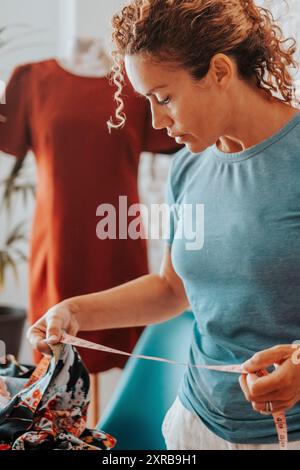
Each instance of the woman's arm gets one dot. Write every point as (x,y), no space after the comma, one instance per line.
(149,299)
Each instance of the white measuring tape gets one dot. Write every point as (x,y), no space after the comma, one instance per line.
(279,418)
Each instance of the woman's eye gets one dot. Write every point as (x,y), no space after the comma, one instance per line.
(164,102)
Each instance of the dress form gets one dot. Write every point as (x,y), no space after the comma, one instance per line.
(86,57)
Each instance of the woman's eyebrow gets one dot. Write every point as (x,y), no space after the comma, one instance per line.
(140,95)
(155,89)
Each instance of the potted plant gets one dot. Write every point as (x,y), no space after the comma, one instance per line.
(12,252)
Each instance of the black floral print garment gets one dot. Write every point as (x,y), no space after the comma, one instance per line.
(46,407)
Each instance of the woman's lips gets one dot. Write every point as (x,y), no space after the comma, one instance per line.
(180,139)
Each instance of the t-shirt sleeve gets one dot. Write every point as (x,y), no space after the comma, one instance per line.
(15,131)
(157,141)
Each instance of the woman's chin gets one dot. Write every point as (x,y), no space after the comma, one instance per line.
(195,147)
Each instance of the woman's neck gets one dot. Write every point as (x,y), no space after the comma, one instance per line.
(256,117)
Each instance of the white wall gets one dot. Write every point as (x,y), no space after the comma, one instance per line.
(33,25)
(85,18)
(93,16)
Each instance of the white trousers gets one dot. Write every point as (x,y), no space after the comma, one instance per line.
(184,430)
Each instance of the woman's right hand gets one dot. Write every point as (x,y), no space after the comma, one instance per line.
(50,327)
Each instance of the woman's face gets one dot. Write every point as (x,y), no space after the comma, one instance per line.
(196,113)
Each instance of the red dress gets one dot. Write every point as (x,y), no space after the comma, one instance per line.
(62,118)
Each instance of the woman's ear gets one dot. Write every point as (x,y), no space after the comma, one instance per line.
(222,69)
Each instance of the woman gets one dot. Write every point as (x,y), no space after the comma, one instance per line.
(216,76)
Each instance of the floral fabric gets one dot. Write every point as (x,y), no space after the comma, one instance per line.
(46,407)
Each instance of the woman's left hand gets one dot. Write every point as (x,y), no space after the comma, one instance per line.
(281,387)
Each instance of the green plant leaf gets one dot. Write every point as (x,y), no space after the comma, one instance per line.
(17,234)
(11,262)
(12,186)
(6,260)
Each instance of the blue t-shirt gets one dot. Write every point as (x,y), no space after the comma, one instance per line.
(243,283)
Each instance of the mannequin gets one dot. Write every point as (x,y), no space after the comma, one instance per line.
(86,57)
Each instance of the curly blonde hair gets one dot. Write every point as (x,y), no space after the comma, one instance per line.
(189,33)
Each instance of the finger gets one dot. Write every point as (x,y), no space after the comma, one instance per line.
(73,330)
(276,381)
(43,347)
(268,357)
(296,355)
(278,395)
(255,390)
(259,386)
(36,337)
(262,407)
(282,407)
(35,334)
(277,406)
(244,386)
(54,329)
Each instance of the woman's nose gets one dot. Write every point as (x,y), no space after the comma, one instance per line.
(160,120)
